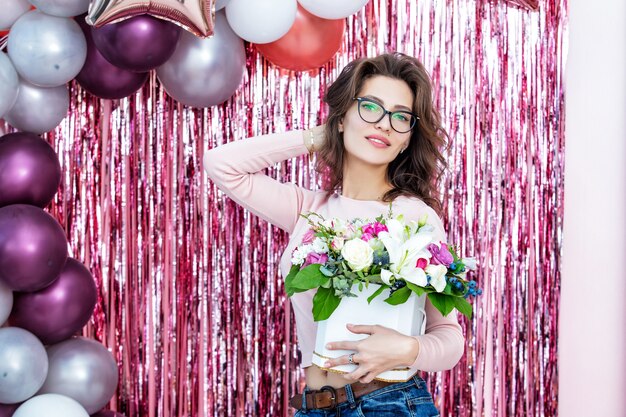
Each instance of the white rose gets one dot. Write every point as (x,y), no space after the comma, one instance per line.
(319,246)
(299,255)
(358,254)
(337,243)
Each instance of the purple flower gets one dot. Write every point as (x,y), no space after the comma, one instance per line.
(315,258)
(441,256)
(308,237)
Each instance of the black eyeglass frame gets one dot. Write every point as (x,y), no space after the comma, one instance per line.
(386,112)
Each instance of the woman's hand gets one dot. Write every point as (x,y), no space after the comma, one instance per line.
(383,350)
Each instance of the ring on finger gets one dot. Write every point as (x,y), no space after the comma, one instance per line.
(351,359)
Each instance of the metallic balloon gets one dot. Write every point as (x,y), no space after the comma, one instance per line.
(84,370)
(23,365)
(6,303)
(61,8)
(139,44)
(103,79)
(220,4)
(333,9)
(38,109)
(8,84)
(195,16)
(51,405)
(310,43)
(261,21)
(33,248)
(47,50)
(11,11)
(205,72)
(59,310)
(30,172)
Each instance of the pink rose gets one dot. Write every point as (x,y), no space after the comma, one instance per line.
(315,258)
(441,256)
(374,228)
(421,263)
(379,227)
(309,237)
(366,236)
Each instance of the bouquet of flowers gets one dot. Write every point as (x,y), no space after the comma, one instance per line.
(398,255)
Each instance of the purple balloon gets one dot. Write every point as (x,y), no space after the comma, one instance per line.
(139,44)
(103,79)
(30,172)
(33,247)
(59,310)
(7,410)
(106,413)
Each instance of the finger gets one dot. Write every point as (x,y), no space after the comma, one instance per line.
(367,378)
(362,328)
(341,360)
(345,345)
(356,375)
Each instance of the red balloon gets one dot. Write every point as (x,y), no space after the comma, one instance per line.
(310,43)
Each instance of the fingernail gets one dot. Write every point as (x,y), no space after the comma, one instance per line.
(329,346)
(326,364)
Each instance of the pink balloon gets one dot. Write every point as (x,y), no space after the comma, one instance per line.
(59,310)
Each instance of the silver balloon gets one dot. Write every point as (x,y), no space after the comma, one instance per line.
(8,84)
(205,72)
(47,50)
(84,370)
(11,11)
(38,109)
(220,4)
(50,405)
(62,8)
(6,302)
(23,365)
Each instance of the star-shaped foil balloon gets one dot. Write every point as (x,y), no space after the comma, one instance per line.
(196,16)
(528,4)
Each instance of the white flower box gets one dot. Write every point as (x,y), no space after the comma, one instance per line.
(408,318)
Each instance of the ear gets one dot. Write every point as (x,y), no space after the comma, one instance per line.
(341,126)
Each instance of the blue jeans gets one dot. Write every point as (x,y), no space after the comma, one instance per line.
(410,399)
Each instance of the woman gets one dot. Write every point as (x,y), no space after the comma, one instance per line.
(380,145)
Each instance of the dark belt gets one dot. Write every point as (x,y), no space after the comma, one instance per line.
(327,398)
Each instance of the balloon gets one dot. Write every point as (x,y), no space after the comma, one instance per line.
(30,172)
(220,4)
(23,365)
(33,248)
(8,84)
(59,310)
(310,43)
(7,410)
(195,16)
(205,72)
(139,44)
(104,413)
(261,21)
(51,405)
(84,370)
(38,109)
(11,11)
(333,9)
(6,304)
(61,8)
(528,4)
(47,50)
(103,79)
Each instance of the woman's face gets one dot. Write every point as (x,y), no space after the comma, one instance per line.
(376,143)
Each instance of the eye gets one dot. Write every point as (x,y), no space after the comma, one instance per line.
(369,106)
(403,117)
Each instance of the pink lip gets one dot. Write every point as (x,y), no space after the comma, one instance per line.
(381,138)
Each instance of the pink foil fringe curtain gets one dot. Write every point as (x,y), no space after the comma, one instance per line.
(190,301)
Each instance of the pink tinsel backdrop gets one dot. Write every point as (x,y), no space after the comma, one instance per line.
(190,301)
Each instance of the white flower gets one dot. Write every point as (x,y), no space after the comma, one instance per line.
(470,263)
(337,243)
(299,255)
(319,246)
(358,254)
(404,250)
(437,276)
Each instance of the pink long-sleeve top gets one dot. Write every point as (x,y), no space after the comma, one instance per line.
(236,168)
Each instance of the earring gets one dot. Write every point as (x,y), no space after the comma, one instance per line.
(402,150)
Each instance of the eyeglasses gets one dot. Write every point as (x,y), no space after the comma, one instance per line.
(402,121)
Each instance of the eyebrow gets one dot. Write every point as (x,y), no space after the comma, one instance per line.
(381,102)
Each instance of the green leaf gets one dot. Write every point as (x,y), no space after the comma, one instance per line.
(398,297)
(376,294)
(289,288)
(309,278)
(443,303)
(463,306)
(325,302)
(416,289)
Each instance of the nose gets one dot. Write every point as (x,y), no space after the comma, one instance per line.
(384,123)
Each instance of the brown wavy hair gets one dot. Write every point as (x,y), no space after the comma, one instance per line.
(417,170)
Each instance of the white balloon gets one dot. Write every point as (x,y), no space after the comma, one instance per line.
(62,8)
(47,50)
(333,9)
(220,4)
(6,302)
(38,109)
(11,11)
(51,405)
(261,21)
(8,87)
